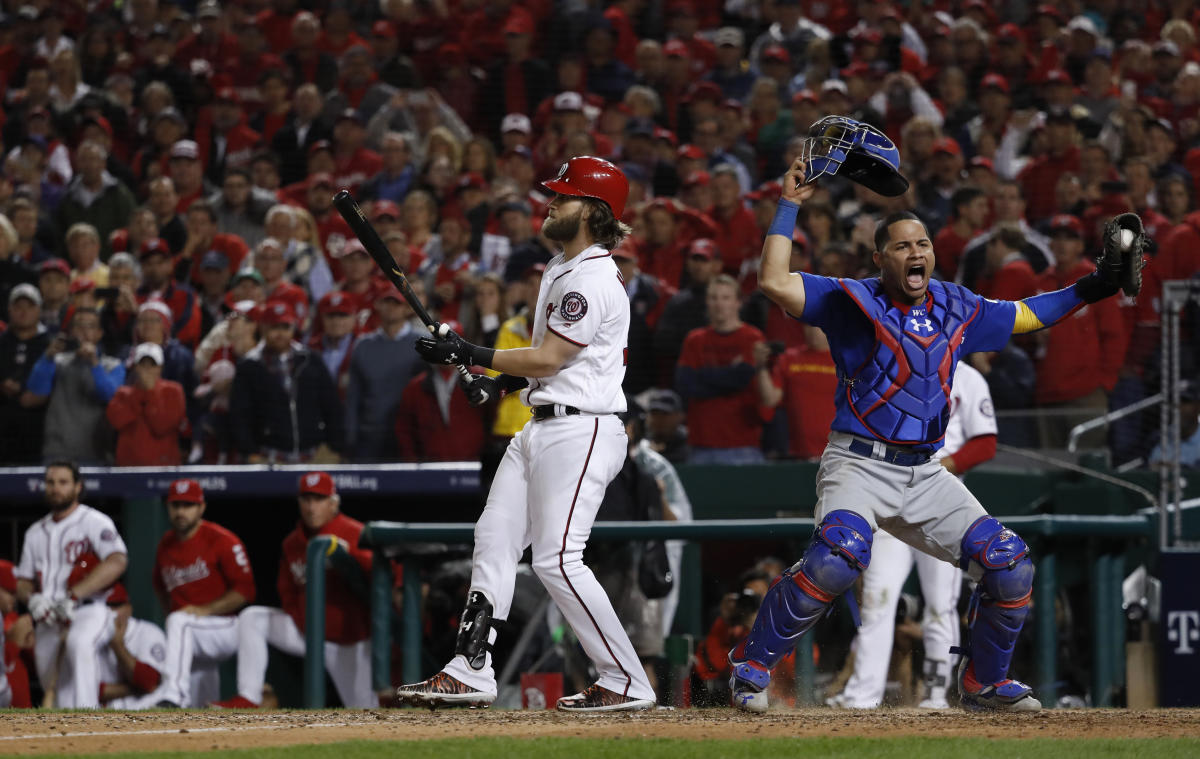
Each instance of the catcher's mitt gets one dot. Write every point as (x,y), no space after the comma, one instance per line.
(1121,264)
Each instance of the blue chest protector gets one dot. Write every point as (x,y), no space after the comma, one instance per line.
(901,392)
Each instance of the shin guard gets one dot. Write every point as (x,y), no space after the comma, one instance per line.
(839,552)
(1000,602)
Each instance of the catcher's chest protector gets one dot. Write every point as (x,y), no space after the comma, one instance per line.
(901,393)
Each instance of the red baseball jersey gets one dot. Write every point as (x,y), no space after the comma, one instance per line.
(732,419)
(203,568)
(347,617)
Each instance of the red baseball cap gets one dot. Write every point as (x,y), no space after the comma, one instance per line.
(1010,32)
(698,178)
(153,246)
(317,483)
(979,162)
(703,248)
(1066,222)
(472,180)
(81,285)
(519,22)
(776,53)
(690,151)
(1058,76)
(277,314)
(318,146)
(320,179)
(385,208)
(803,96)
(383,28)
(765,191)
(662,133)
(55,264)
(995,81)
(353,245)
(705,91)
(676,49)
(185,491)
(947,145)
(335,302)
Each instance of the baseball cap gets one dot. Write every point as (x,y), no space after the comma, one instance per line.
(385,209)
(520,206)
(1057,76)
(676,49)
(1166,47)
(516,122)
(568,101)
(947,145)
(27,291)
(317,483)
(335,302)
(995,81)
(690,151)
(104,124)
(246,272)
(705,90)
(185,149)
(662,133)
(804,95)
(765,191)
(226,95)
(665,401)
(729,35)
(1046,9)
(352,246)
(170,112)
(208,9)
(320,179)
(703,248)
(776,54)
(318,146)
(835,85)
(277,314)
(153,246)
(519,22)
(151,351)
(1065,222)
(350,114)
(185,491)
(979,162)
(699,178)
(1083,24)
(55,264)
(383,28)
(518,151)
(160,308)
(472,180)
(1009,33)
(214,259)
(82,285)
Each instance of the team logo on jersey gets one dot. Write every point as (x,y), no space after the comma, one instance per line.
(108,535)
(985,407)
(158,652)
(174,576)
(573,307)
(76,548)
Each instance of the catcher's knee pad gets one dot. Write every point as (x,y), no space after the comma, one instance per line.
(474,629)
(1000,560)
(839,552)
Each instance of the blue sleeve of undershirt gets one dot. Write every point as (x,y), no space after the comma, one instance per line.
(821,300)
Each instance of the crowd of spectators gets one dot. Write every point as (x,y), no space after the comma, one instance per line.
(176,286)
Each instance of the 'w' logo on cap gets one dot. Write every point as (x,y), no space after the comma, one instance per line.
(313,479)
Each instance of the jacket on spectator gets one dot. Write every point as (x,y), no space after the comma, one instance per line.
(291,414)
(108,211)
(723,407)
(17,358)
(684,312)
(433,425)
(147,423)
(75,425)
(647,300)
(293,153)
(380,369)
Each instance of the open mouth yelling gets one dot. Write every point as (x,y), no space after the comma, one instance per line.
(915,276)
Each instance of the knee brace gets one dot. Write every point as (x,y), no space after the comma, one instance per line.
(472,641)
(1001,599)
(839,552)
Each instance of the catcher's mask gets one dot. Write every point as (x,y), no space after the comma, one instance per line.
(859,151)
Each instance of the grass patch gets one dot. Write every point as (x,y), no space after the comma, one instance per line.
(668,748)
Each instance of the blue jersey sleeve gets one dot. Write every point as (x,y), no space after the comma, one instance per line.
(992,326)
(822,298)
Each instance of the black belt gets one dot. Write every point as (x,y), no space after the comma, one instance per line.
(542,413)
(897,456)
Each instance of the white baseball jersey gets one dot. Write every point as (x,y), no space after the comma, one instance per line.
(146,641)
(51,549)
(583,301)
(971,412)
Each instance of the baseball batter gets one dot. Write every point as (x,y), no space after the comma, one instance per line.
(552,479)
(73,625)
(970,440)
(895,341)
(202,577)
(347,625)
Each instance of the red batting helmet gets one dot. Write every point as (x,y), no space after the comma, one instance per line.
(591,177)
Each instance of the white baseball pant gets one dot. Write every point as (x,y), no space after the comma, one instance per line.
(196,646)
(348,665)
(546,493)
(891,562)
(74,661)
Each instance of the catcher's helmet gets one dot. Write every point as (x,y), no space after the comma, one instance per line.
(858,151)
(590,177)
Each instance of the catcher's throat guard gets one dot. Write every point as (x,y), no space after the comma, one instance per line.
(855,150)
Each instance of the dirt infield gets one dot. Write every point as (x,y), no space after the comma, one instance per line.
(57,733)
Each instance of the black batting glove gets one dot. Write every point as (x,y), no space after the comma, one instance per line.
(449,348)
(480,389)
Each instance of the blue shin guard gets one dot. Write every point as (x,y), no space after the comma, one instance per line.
(1000,602)
(839,552)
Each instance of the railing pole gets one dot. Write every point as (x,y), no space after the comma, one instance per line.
(1046,635)
(381,622)
(1101,630)
(412,620)
(314,622)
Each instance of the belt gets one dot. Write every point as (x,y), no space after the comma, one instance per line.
(551,410)
(897,456)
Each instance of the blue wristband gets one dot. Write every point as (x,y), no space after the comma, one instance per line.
(784,222)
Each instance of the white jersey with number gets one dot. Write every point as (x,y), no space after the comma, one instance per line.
(583,301)
(971,412)
(51,549)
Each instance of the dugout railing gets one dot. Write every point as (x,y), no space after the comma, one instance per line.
(1111,536)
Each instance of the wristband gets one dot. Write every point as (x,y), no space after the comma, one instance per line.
(481,356)
(784,222)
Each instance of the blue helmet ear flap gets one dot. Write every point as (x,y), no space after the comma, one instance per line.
(859,151)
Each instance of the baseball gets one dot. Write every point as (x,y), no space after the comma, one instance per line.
(1126,238)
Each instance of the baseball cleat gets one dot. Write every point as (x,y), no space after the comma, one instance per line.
(749,685)
(597,699)
(1005,696)
(237,702)
(934,703)
(443,690)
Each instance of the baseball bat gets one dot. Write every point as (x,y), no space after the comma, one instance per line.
(348,207)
